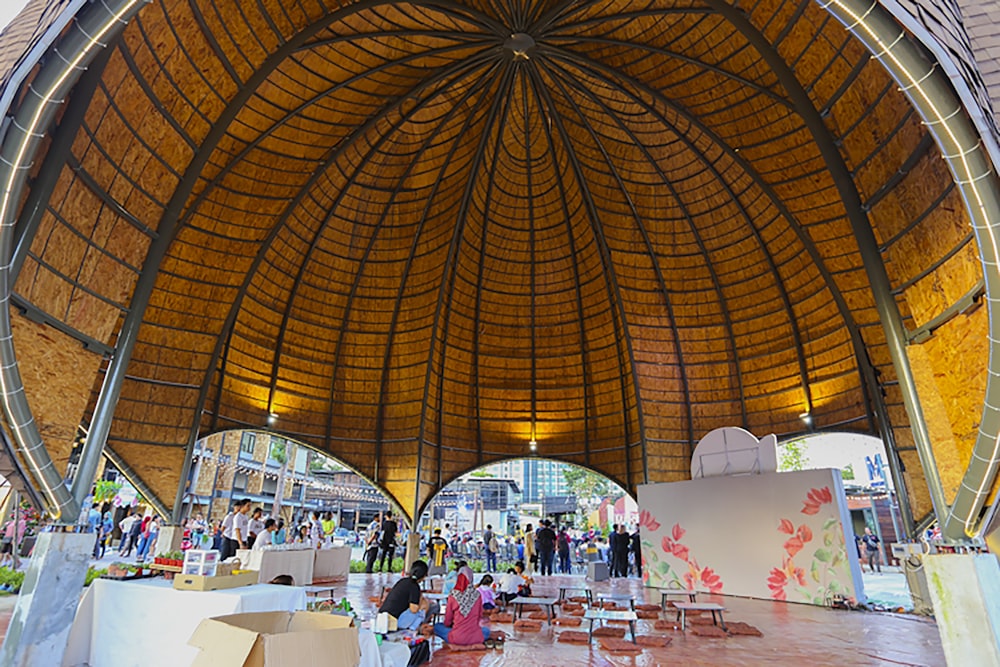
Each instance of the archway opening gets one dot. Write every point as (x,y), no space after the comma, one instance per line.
(283,476)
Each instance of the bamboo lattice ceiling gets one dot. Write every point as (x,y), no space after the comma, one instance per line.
(425,233)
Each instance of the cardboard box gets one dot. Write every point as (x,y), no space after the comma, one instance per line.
(277,639)
(196,582)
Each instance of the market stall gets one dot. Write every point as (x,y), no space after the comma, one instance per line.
(148,623)
(271,562)
(332,563)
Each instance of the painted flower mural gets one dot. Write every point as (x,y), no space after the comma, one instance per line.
(825,559)
(696,578)
(648,521)
(775,535)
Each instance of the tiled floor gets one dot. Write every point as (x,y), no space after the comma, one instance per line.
(794,634)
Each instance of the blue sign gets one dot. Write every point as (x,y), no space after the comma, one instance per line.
(876,476)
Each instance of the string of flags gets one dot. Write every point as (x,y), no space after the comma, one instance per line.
(360,493)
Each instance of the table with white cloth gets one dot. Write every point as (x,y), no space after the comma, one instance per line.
(388,654)
(272,562)
(147,623)
(332,563)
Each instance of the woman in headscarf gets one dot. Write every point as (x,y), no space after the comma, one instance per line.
(463,616)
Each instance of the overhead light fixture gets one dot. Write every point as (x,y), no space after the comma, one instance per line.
(806,418)
(272,418)
(533,445)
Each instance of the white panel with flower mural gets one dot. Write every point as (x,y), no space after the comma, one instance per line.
(777,535)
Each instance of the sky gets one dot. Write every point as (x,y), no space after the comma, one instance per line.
(9,9)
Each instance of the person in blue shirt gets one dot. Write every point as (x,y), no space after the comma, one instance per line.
(94,521)
(279,535)
(107,531)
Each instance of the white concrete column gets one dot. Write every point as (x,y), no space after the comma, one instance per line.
(39,628)
(170,539)
(965,589)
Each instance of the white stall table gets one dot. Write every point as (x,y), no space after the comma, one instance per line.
(272,562)
(147,623)
(332,563)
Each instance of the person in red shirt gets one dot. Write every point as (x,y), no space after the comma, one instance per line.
(464,614)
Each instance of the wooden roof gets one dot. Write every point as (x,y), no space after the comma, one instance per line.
(425,233)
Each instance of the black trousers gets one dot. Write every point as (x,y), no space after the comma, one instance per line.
(371,555)
(386,551)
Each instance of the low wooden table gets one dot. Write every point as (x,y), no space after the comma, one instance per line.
(440,598)
(602,615)
(519,603)
(684,607)
(611,597)
(318,590)
(665,593)
(586,591)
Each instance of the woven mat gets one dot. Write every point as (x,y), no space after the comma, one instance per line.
(653,640)
(620,646)
(573,637)
(713,631)
(568,621)
(605,631)
(743,629)
(466,649)
(526,625)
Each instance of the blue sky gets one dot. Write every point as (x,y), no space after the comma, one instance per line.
(9,9)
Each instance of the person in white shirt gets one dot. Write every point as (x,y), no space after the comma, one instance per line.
(264,536)
(255,525)
(237,532)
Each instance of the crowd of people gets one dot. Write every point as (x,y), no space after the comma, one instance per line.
(547,549)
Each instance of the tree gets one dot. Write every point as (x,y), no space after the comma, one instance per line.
(105,491)
(792,457)
(587,486)
(280,452)
(847,472)
(481,473)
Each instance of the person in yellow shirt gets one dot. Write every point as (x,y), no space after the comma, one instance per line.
(329,525)
(530,558)
(437,549)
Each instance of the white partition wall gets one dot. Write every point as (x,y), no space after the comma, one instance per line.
(778,535)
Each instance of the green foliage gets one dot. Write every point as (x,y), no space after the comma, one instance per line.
(94,574)
(11,578)
(359,565)
(279,450)
(105,491)
(792,457)
(847,472)
(586,485)
(481,473)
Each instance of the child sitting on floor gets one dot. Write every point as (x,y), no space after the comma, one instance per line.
(486,591)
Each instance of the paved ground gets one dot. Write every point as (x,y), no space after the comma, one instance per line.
(794,634)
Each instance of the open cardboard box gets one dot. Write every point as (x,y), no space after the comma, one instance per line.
(199,582)
(275,639)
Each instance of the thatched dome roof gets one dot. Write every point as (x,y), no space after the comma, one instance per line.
(425,233)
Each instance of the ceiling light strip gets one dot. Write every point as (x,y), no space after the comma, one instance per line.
(97,25)
(933,96)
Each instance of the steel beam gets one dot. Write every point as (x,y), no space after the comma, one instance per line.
(932,94)
(95,27)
